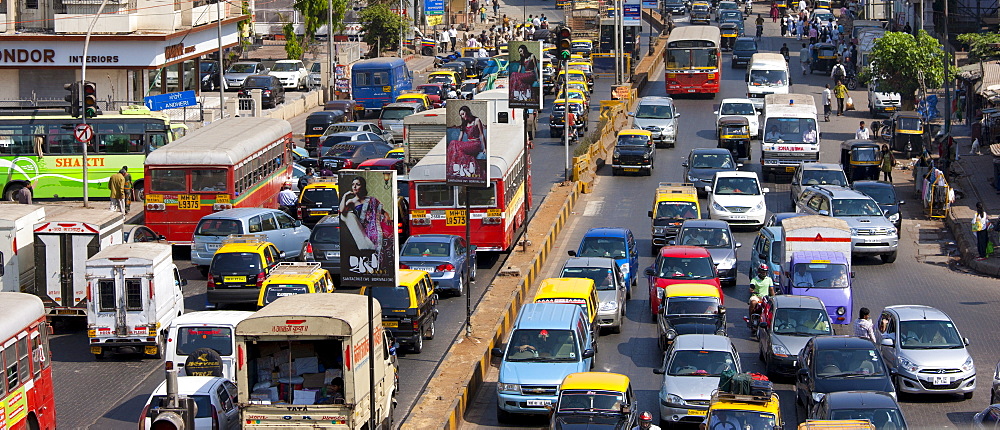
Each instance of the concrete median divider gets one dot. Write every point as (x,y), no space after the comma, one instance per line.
(464,367)
(291,109)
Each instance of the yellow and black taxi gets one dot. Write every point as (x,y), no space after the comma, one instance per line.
(290,278)
(409,310)
(572,75)
(557,119)
(415,97)
(595,400)
(584,66)
(319,198)
(634,152)
(575,94)
(673,203)
(758,409)
(443,77)
(239,268)
(396,153)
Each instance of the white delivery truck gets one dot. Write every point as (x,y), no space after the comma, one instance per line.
(135,293)
(285,345)
(17,252)
(63,243)
(215,330)
(791,132)
(767,73)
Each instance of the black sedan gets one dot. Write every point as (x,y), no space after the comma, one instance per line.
(349,155)
(828,364)
(885,195)
(878,408)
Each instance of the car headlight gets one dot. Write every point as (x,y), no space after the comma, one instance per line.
(908,365)
(892,231)
(760,206)
(617,154)
(669,128)
(692,179)
(608,306)
(659,230)
(969,365)
(670,334)
(818,397)
(841,310)
(854,231)
(718,207)
(674,399)
(646,155)
(508,388)
(624,268)
(779,350)
(894,217)
(727,263)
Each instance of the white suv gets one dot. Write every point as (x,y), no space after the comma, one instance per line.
(740,107)
(291,73)
(737,198)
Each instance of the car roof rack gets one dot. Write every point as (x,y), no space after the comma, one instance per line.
(245,238)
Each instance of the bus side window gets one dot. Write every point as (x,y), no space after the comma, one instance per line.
(10,358)
(22,355)
(156,140)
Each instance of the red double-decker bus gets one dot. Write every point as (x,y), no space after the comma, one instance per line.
(496,212)
(26,394)
(231,163)
(693,60)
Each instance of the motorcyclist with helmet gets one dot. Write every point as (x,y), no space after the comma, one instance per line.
(646,422)
(761,286)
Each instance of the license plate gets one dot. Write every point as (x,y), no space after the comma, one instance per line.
(697,412)
(212,246)
(424,268)
(390,324)
(95,350)
(690,91)
(890,108)
(332,254)
(317,213)
(872,240)
(541,403)
(737,217)
(228,279)
(188,202)
(151,350)
(942,380)
(789,169)
(631,170)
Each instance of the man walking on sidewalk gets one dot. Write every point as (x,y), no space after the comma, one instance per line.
(980,222)
(453,35)
(804,58)
(888,162)
(827,95)
(862,132)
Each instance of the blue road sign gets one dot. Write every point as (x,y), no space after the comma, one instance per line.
(434,7)
(170,100)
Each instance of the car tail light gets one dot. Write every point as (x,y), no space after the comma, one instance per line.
(169,365)
(420,221)
(348,164)
(399,229)
(416,326)
(266,92)
(142,417)
(404,266)
(211,281)
(298,212)
(380,123)
(309,248)
(156,206)
(446,267)
(215,418)
(491,220)
(260,279)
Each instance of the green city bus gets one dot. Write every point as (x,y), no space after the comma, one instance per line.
(40,147)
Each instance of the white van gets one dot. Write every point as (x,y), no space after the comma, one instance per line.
(766,74)
(17,246)
(205,329)
(135,292)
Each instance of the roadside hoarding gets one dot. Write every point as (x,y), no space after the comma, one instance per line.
(368,239)
(467,150)
(525,74)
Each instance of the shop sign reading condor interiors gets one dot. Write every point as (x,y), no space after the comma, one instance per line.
(135,51)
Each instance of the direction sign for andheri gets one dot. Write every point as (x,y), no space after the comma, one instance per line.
(170,100)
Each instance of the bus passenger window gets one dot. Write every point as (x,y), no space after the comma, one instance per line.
(16,144)
(362,79)
(381,78)
(10,356)
(167,180)
(22,351)
(430,195)
(156,140)
(208,180)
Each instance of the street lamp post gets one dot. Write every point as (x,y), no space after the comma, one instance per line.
(83,106)
(218,28)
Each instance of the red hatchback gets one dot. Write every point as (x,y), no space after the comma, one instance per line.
(680,265)
(434,92)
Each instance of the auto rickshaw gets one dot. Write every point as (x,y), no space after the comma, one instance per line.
(729,34)
(824,57)
(352,111)
(861,158)
(317,122)
(734,135)
(907,129)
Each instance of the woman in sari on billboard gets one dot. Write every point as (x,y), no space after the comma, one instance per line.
(370,224)
(466,158)
(524,76)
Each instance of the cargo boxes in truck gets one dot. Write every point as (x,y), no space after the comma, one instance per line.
(134,293)
(63,243)
(303,361)
(17,252)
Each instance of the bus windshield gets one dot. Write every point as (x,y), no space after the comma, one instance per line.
(684,58)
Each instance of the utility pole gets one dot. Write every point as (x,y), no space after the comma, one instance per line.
(218,28)
(947,65)
(83,106)
(566,126)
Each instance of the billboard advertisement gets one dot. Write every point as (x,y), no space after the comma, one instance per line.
(525,74)
(368,240)
(467,150)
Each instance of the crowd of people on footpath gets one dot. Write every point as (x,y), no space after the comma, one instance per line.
(503,30)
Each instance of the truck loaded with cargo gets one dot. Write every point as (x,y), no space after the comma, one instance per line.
(304,361)
(816,261)
(135,294)
(421,131)
(63,243)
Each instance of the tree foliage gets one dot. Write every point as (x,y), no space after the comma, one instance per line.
(382,27)
(897,57)
(315,14)
(979,45)
(292,47)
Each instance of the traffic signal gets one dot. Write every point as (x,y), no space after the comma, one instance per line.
(564,42)
(73,98)
(90,99)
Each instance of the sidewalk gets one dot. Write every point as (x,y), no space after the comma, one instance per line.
(973,181)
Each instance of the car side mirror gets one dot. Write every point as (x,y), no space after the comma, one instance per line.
(298,223)
(965,340)
(902,202)
(677,114)
(886,342)
(658,370)
(496,352)
(684,164)
(158,237)
(715,112)
(650,272)
(708,188)
(281,254)
(649,214)
(824,212)
(184,282)
(672,242)
(802,374)
(739,165)
(853,274)
(766,190)
(795,182)
(588,353)
(571,253)
(762,324)
(722,310)
(739,245)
